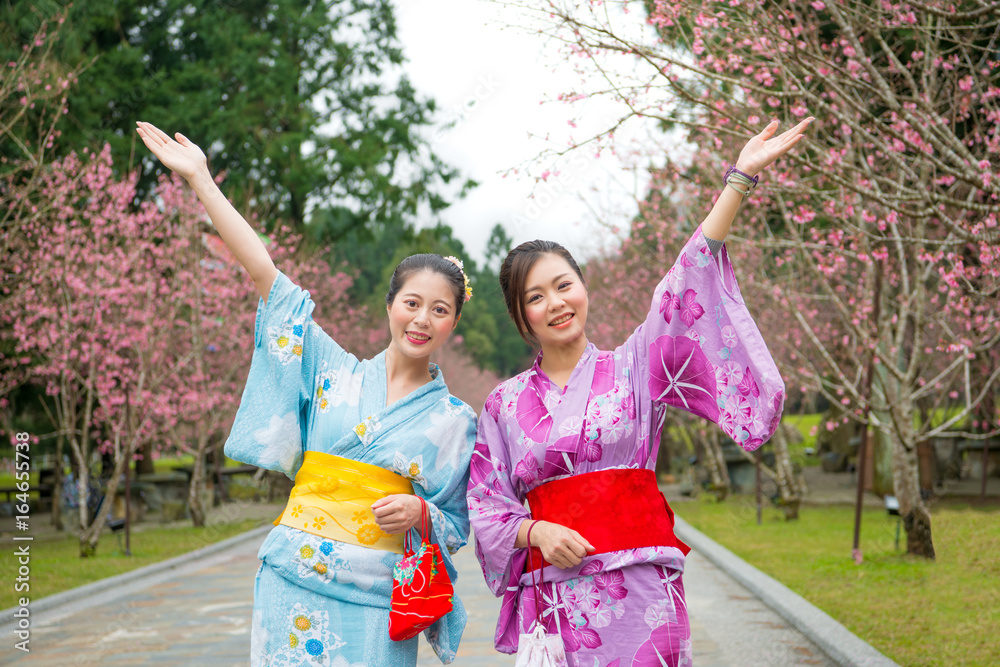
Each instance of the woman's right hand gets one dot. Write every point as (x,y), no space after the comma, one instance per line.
(180,156)
(561,546)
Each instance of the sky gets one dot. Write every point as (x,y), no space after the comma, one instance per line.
(488,80)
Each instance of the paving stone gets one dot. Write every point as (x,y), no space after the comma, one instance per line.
(200,615)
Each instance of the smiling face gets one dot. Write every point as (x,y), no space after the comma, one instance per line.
(422,314)
(555,301)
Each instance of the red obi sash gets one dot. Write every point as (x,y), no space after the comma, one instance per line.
(614,509)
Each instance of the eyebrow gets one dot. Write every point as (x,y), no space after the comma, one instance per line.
(444,301)
(554,280)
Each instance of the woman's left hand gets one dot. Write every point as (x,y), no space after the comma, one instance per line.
(397,513)
(765,148)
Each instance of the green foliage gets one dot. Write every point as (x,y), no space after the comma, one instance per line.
(917,612)
(806,425)
(296,101)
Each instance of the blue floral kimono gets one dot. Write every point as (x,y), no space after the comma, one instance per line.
(321,602)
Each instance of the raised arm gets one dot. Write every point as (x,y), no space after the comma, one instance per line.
(759,152)
(188,161)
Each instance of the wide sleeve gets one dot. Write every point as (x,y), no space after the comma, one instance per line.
(449,517)
(699,349)
(448,509)
(271,424)
(495,509)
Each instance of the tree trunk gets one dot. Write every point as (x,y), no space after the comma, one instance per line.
(716,464)
(785,478)
(57,482)
(82,485)
(144,465)
(194,491)
(916,518)
(663,455)
(90,535)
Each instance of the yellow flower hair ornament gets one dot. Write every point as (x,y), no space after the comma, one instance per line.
(461,267)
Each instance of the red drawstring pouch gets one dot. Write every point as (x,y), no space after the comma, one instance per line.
(421,590)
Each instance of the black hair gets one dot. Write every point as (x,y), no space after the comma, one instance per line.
(428,262)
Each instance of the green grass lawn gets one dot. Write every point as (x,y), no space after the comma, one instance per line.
(56,565)
(806,424)
(917,612)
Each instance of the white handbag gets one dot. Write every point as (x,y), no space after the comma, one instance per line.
(538,648)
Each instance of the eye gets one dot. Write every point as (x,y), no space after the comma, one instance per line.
(565,284)
(441,310)
(534,297)
(411,303)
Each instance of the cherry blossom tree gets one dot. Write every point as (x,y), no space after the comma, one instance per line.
(33,95)
(90,316)
(214,327)
(877,242)
(139,334)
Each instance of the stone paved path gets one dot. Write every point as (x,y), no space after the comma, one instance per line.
(200,615)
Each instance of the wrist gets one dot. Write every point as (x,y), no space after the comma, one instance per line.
(747,169)
(739,180)
(533,528)
(201,180)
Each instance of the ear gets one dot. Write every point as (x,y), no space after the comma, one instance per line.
(457,320)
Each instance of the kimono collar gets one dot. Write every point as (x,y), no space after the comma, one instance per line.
(584,363)
(376,388)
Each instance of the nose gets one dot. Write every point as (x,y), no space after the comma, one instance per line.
(421,318)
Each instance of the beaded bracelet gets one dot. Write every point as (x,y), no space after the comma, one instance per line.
(734,176)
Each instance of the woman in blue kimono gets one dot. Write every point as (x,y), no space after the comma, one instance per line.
(362,439)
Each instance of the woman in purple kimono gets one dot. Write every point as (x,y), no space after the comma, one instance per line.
(571,435)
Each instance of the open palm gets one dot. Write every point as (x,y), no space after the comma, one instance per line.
(765,148)
(181,156)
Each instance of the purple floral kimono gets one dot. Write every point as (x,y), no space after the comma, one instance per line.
(698,350)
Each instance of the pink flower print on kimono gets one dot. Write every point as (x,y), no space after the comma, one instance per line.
(532,415)
(729,374)
(664,647)
(561,455)
(747,385)
(690,309)
(577,598)
(680,375)
(527,468)
(492,405)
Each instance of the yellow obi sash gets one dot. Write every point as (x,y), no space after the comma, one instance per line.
(332,498)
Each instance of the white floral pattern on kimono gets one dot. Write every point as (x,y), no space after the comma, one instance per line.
(699,350)
(304,392)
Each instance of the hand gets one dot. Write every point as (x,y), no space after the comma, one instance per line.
(181,156)
(561,546)
(765,148)
(397,513)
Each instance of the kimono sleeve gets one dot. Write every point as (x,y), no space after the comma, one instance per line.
(495,509)
(699,349)
(448,508)
(450,519)
(272,421)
